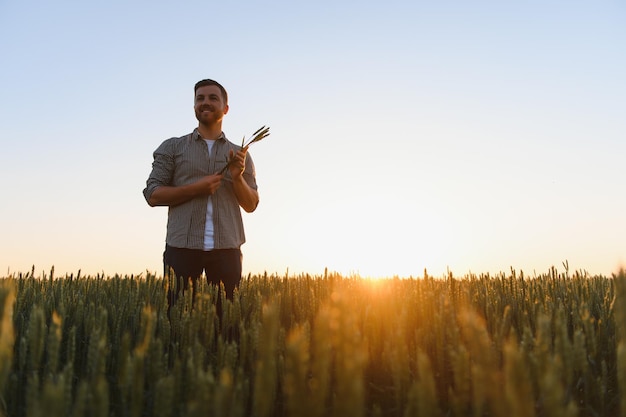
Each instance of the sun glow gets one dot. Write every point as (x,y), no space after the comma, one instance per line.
(401,245)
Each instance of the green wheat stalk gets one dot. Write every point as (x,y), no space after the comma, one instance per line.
(260,134)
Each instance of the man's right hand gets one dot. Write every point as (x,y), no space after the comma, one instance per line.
(166,195)
(210,183)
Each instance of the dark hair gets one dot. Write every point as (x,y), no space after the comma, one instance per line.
(203,83)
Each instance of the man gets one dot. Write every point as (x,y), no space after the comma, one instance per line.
(204,226)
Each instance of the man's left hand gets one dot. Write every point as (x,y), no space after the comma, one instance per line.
(238,165)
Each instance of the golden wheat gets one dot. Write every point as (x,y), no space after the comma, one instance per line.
(505,345)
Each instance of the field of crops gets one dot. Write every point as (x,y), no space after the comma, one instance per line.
(479,345)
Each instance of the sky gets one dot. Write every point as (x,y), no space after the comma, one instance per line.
(451,136)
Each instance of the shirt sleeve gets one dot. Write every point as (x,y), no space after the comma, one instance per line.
(249,174)
(162,169)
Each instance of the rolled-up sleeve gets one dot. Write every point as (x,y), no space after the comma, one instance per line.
(162,169)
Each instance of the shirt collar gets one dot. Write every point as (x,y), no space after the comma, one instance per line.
(196,135)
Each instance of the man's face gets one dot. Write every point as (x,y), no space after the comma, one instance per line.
(209,105)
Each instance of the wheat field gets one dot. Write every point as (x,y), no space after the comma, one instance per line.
(478,345)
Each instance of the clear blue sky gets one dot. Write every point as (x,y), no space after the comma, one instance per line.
(469,136)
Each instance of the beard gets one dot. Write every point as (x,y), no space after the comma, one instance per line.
(209,117)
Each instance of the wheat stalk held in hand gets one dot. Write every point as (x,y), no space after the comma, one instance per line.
(257,136)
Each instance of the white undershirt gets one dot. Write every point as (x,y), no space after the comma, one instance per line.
(209,242)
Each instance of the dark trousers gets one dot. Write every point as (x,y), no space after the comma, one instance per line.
(219,265)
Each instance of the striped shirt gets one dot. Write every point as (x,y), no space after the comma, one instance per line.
(184,160)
